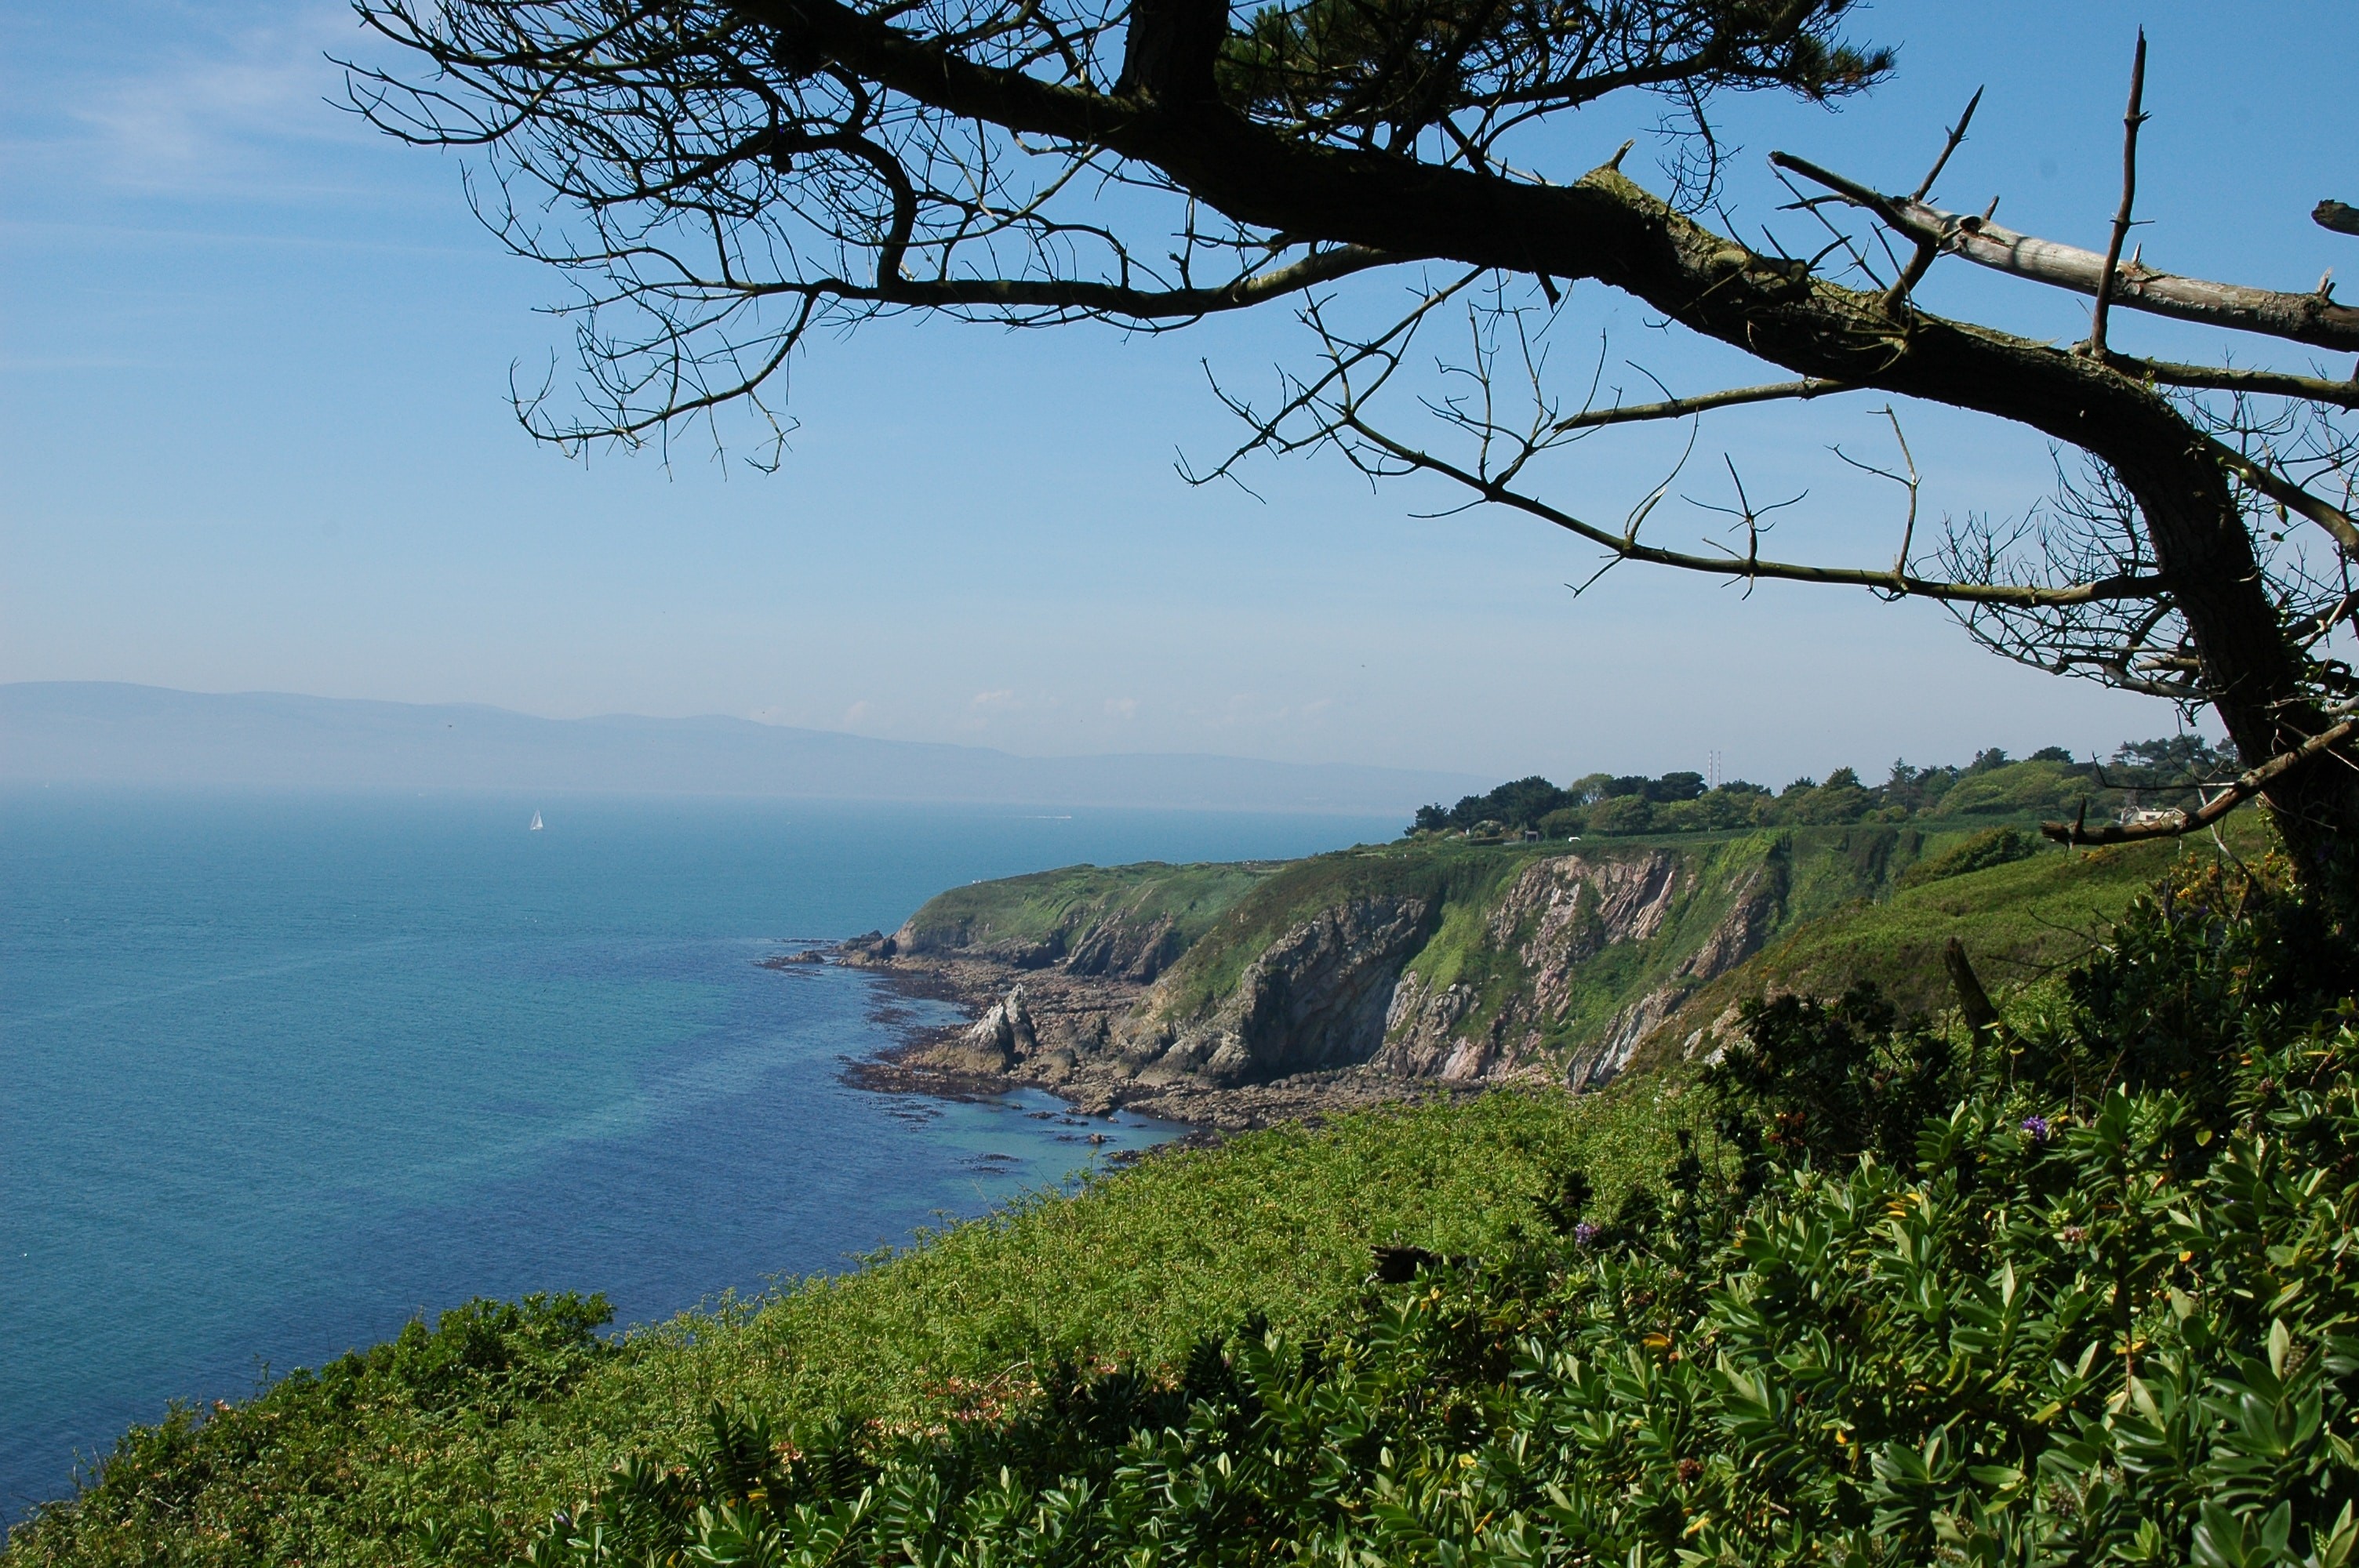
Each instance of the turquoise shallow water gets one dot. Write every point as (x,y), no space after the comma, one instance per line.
(277,1072)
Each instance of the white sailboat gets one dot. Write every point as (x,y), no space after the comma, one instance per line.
(535,822)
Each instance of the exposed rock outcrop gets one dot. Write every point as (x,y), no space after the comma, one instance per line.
(1553,920)
(995,1043)
(1315,998)
(1757,899)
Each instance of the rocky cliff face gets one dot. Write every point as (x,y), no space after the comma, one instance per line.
(1391,969)
(1316,998)
(1552,923)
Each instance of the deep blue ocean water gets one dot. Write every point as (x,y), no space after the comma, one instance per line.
(278,1072)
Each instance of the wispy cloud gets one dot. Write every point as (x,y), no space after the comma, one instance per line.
(986,706)
(220,109)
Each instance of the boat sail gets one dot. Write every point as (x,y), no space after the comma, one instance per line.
(535,822)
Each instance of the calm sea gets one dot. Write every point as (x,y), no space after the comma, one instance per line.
(279,1071)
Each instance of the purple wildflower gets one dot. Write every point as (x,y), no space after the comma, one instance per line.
(2036,1128)
(1584,1234)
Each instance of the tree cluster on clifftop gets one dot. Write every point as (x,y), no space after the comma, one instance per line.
(2166,773)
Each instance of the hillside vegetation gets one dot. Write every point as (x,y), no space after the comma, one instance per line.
(2071,1288)
(1093,918)
(2022,919)
(1494,947)
(456,1443)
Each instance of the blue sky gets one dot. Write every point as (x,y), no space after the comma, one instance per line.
(254,366)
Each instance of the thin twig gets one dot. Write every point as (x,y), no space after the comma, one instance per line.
(1680,408)
(2131,119)
(1928,247)
(1957,134)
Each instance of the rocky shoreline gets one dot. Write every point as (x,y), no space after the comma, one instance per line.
(1027,1022)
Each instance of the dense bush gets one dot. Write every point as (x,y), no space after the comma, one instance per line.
(2074,1289)
(1995,846)
(221,1488)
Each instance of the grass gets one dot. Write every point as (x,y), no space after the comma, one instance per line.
(1437,874)
(2020,922)
(1135,1267)
(1060,908)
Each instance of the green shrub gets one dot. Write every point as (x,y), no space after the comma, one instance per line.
(1822,1084)
(1997,847)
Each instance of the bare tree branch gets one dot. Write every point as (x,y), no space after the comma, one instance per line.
(1625,545)
(1681,407)
(2176,823)
(2132,118)
(724,181)
(2313,319)
(2218,378)
(1923,261)
(2290,495)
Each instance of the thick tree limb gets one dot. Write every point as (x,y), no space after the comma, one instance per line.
(1973,1002)
(2313,319)
(1168,56)
(2341,217)
(2179,824)
(1106,298)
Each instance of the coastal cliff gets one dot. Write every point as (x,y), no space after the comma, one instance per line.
(1234,995)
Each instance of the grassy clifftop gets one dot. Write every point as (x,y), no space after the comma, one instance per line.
(1140,914)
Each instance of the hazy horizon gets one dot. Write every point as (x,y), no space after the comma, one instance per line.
(223,724)
(104,733)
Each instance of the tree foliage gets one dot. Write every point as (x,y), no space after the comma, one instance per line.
(2165,773)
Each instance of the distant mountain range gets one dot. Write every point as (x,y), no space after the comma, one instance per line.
(105,732)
